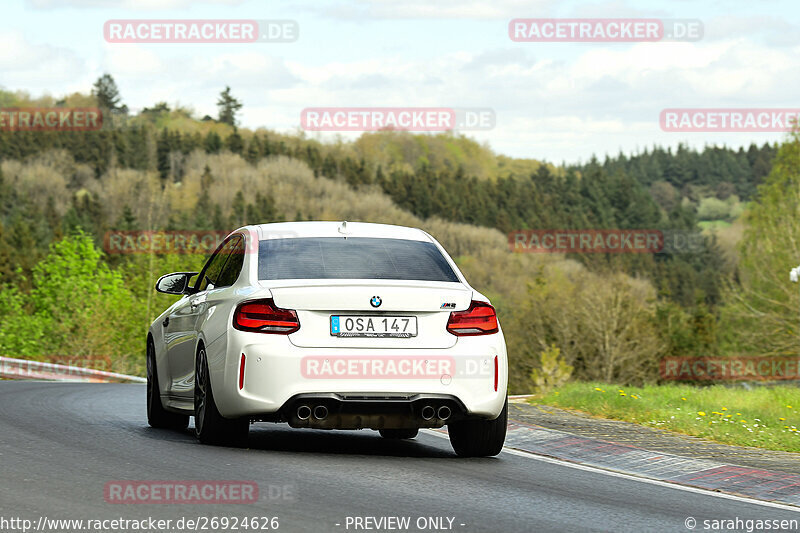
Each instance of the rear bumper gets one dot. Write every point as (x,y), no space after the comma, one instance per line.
(276,384)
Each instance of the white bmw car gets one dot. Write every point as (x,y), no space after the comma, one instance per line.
(329,325)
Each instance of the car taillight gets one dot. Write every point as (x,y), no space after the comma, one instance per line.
(479,319)
(263,316)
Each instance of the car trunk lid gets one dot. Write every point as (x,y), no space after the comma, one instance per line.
(429,302)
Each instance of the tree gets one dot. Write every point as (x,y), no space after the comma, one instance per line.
(156,110)
(228,107)
(553,371)
(253,153)
(713,209)
(664,194)
(212,143)
(234,142)
(763,316)
(127,220)
(51,320)
(206,179)
(106,92)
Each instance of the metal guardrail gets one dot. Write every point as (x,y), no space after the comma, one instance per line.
(25,369)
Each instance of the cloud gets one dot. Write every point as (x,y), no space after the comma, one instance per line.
(146,63)
(26,64)
(774,31)
(440,9)
(127,4)
(594,99)
(552,100)
(615,9)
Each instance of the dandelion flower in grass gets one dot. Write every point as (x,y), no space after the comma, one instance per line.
(788,406)
(781,419)
(621,391)
(743,421)
(622,394)
(738,414)
(724,408)
(701,413)
(684,399)
(599,389)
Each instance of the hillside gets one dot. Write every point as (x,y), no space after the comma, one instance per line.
(164,169)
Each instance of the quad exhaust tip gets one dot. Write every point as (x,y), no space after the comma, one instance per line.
(320,412)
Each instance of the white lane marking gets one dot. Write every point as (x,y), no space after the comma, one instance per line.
(695,490)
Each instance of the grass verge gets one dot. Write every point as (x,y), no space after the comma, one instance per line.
(762,417)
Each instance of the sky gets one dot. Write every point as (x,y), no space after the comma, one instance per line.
(559,102)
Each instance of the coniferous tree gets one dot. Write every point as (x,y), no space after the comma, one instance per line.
(212,143)
(106,92)
(228,107)
(234,142)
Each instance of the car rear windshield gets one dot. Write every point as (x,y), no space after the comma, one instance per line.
(352,258)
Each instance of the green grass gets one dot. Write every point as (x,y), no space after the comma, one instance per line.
(762,417)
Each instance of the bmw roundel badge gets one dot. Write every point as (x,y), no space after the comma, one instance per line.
(376,301)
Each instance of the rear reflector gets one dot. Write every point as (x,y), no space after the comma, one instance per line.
(479,319)
(241,374)
(495,371)
(263,316)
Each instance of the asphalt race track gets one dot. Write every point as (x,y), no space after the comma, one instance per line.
(60,443)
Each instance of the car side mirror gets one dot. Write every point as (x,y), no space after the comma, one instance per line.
(175,283)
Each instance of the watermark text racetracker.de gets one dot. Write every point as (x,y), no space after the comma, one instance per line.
(730,368)
(97,368)
(741,120)
(194,492)
(397,118)
(162,242)
(609,241)
(608,30)
(181,492)
(443,368)
(200,31)
(177,241)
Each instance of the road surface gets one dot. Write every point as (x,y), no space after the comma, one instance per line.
(61,443)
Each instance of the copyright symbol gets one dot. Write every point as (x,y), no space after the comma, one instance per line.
(690,523)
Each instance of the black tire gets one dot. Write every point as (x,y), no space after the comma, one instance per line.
(399,433)
(157,416)
(479,438)
(210,427)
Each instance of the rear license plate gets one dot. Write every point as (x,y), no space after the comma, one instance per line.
(374,326)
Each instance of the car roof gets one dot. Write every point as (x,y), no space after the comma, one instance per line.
(293,230)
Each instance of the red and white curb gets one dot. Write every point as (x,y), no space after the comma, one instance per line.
(770,486)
